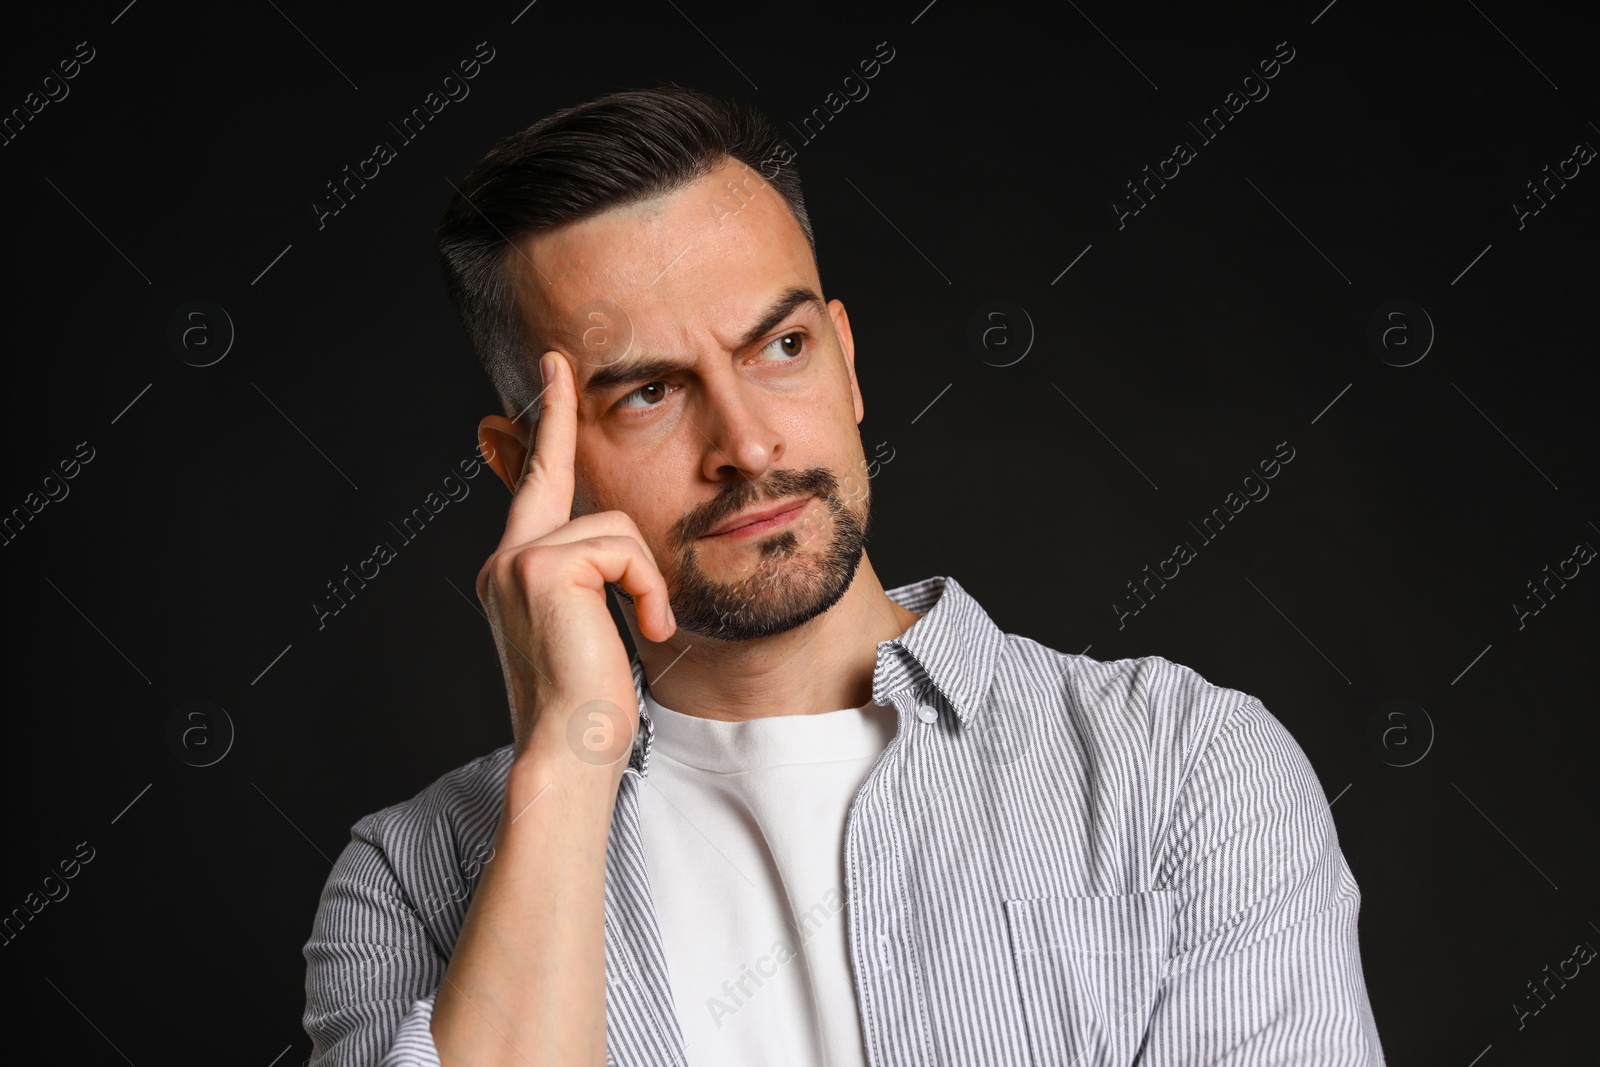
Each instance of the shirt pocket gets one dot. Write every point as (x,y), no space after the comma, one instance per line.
(1089,969)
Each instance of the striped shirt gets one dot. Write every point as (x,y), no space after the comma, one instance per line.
(1057,861)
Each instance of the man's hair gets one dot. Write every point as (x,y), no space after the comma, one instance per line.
(577,163)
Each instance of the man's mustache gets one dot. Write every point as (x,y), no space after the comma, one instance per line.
(741,495)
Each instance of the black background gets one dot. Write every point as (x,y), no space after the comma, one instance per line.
(1228,316)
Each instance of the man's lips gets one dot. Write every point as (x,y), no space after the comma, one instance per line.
(752,522)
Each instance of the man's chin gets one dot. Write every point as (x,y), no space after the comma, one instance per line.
(764,601)
(749,588)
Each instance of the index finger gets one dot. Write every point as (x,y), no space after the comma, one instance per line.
(543,498)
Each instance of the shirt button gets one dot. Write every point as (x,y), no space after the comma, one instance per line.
(927,713)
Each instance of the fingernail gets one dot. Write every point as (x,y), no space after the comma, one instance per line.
(547,367)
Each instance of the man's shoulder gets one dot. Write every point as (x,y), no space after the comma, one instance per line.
(1149,701)
(454,813)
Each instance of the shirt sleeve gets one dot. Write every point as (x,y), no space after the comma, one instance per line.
(372,969)
(1265,965)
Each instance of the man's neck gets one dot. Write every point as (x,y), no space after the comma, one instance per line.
(825,665)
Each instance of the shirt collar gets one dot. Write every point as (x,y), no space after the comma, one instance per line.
(953,648)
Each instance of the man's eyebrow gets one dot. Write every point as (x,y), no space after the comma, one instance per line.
(626,372)
(794,297)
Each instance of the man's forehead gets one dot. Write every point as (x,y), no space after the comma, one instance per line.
(707,255)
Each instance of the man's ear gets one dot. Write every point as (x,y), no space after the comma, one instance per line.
(504,444)
(847,345)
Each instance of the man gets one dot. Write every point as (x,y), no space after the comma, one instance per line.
(811,821)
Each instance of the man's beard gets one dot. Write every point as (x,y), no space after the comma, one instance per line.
(791,583)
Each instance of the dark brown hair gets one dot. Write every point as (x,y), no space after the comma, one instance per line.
(579,162)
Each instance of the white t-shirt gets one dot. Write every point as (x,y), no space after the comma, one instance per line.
(743,826)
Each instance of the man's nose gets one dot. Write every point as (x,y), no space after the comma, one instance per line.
(739,439)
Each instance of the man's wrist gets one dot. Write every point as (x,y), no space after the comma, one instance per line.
(548,765)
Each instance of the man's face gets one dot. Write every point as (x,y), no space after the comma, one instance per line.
(712,384)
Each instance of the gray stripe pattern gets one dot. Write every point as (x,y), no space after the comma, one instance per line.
(1056,861)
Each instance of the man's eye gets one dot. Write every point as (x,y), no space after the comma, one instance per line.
(652,393)
(789,346)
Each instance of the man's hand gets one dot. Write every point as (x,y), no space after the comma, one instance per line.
(526,981)
(544,587)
